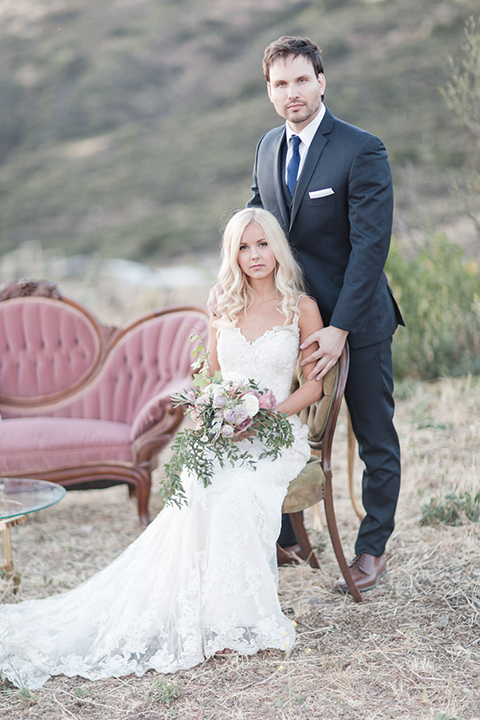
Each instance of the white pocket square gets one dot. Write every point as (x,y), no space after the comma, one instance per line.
(321,193)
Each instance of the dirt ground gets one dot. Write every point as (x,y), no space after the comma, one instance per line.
(411,650)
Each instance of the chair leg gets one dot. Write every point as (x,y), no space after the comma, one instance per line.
(335,538)
(302,538)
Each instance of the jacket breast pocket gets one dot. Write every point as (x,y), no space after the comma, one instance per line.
(322,201)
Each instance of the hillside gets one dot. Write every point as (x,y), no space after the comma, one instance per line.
(129,127)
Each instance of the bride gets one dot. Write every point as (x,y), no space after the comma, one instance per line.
(201,579)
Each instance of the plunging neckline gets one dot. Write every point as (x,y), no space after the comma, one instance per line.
(273,329)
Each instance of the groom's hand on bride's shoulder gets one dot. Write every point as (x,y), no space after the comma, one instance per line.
(330,341)
(213,296)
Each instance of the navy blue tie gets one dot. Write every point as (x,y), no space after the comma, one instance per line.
(293,165)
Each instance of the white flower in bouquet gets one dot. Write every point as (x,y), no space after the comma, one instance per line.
(251,404)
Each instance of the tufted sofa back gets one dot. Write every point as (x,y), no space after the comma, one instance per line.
(46,347)
(57,360)
(145,360)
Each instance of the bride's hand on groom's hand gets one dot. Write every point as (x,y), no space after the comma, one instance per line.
(331,341)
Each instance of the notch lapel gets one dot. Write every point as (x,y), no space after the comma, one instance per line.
(277,180)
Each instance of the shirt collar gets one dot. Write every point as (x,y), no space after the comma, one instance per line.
(308,132)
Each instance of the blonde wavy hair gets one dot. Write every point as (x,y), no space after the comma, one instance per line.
(237,293)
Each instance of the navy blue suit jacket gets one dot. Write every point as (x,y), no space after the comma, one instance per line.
(342,239)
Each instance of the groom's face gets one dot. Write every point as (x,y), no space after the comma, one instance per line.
(295,90)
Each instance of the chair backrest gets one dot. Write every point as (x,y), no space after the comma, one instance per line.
(321,417)
(57,359)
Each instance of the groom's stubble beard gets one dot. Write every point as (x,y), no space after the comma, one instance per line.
(310,111)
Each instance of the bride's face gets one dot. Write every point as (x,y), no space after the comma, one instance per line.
(255,258)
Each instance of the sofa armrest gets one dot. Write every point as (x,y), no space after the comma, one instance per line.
(157,407)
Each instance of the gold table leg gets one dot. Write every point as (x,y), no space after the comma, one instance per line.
(7,550)
(7,565)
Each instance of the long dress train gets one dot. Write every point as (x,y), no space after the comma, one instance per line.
(199,579)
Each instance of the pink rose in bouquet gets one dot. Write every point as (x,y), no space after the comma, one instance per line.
(267,400)
(244,425)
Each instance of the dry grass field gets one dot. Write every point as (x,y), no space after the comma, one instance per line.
(411,650)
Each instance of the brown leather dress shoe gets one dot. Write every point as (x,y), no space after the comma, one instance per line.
(366,571)
(285,557)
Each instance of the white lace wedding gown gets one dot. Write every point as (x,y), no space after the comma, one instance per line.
(199,579)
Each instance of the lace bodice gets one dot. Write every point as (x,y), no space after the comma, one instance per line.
(270,360)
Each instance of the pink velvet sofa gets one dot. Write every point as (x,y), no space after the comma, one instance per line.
(83,404)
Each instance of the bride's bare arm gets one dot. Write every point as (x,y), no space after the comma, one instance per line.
(310,321)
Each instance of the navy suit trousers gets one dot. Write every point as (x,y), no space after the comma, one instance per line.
(369,396)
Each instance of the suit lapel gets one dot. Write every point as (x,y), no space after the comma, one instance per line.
(277,179)
(311,161)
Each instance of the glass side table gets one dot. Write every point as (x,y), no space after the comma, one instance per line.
(19,498)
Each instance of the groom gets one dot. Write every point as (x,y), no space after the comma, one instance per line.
(330,187)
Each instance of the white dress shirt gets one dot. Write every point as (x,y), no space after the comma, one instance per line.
(306,137)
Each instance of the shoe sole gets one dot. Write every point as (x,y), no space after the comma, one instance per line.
(345,590)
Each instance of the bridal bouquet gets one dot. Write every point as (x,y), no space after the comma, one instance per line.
(225,412)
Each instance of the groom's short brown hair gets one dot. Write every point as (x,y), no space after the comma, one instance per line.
(292,45)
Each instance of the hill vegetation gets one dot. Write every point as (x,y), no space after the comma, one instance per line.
(128,127)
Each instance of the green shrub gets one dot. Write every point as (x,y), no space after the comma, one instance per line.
(439,294)
(452,509)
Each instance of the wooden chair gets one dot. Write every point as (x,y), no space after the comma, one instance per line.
(315,482)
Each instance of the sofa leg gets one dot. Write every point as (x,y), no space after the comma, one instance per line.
(144,484)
